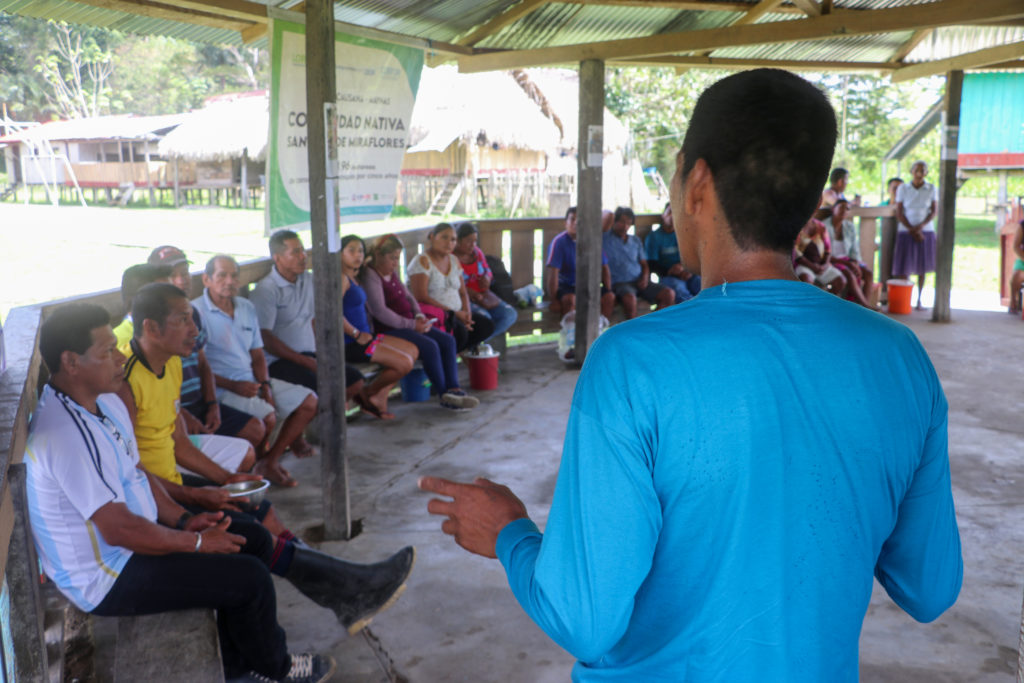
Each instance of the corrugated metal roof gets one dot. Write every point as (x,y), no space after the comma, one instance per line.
(956,40)
(869,48)
(556,24)
(78,13)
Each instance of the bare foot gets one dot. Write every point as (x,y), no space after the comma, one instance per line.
(370,407)
(300,448)
(275,474)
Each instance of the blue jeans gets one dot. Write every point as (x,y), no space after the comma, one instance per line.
(684,289)
(437,353)
(502,315)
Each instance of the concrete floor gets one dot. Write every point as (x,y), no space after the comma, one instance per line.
(459,622)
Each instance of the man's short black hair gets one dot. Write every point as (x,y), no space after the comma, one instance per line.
(894,179)
(211,265)
(153,302)
(837,174)
(138,276)
(277,240)
(69,328)
(569,212)
(767,136)
(623,211)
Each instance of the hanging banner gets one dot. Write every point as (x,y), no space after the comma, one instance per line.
(377,85)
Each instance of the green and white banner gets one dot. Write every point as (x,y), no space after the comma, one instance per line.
(377,85)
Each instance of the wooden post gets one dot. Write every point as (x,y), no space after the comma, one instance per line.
(946,233)
(245,178)
(177,199)
(149,179)
(23,582)
(330,341)
(590,148)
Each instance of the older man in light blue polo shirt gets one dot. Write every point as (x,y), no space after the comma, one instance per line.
(284,304)
(631,276)
(235,353)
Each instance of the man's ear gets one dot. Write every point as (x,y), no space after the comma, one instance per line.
(150,326)
(698,186)
(69,361)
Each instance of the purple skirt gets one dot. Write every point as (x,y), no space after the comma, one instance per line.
(911,257)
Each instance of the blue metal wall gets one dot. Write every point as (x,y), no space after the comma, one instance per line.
(992,114)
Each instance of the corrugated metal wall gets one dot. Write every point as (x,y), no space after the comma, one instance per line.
(992,114)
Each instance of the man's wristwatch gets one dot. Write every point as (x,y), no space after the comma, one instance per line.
(183,520)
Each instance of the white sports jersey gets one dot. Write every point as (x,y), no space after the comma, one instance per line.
(78,462)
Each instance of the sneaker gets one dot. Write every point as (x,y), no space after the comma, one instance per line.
(306,668)
(460,399)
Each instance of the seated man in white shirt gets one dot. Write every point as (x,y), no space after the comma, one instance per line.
(235,352)
(109,535)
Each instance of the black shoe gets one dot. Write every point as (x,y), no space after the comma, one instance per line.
(306,668)
(354,592)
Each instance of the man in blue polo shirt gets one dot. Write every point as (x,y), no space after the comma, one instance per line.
(631,276)
(560,277)
(704,526)
(234,349)
(662,249)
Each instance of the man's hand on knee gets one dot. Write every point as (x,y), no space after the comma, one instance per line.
(477,512)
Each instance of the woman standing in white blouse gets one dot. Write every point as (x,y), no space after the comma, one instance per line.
(915,240)
(435,280)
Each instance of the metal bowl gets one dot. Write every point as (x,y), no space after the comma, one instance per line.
(252,489)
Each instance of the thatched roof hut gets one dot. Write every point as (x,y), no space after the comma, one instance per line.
(484,109)
(227,128)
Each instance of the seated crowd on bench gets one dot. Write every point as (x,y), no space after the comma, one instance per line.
(626,265)
(146,419)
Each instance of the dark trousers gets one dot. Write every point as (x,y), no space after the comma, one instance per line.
(483,328)
(437,353)
(296,374)
(238,586)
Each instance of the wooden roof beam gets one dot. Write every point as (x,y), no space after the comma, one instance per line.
(848,22)
(685,5)
(750,17)
(237,9)
(969,60)
(253,33)
(683,63)
(509,16)
(908,47)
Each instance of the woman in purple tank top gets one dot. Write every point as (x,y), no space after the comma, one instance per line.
(395,356)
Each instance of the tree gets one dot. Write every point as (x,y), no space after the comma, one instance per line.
(77,68)
(655,104)
(22,90)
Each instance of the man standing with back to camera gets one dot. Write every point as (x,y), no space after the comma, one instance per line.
(700,531)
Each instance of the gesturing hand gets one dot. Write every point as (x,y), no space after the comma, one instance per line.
(204,520)
(477,512)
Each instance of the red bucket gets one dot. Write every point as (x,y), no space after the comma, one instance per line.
(483,372)
(899,295)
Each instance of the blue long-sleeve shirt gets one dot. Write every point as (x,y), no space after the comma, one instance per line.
(724,497)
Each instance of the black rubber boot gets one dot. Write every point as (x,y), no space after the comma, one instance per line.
(354,592)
